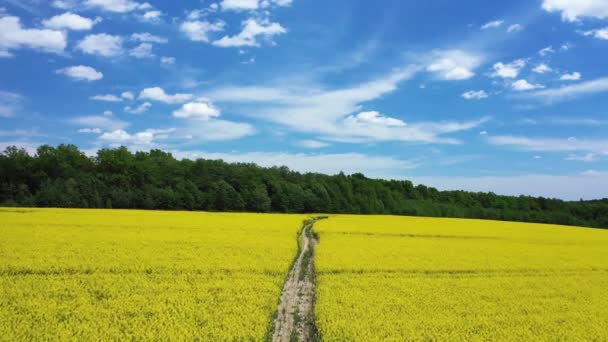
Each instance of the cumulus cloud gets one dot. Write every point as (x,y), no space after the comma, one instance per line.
(203,110)
(127,95)
(575,76)
(107,98)
(118,6)
(523,85)
(143,50)
(573,10)
(252,30)
(509,70)
(239,5)
(101,44)
(249,5)
(142,108)
(542,68)
(159,94)
(599,33)
(152,16)
(81,73)
(199,31)
(373,118)
(13,36)
(454,64)
(475,95)
(121,137)
(69,21)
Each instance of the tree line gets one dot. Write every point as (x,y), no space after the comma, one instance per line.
(63,176)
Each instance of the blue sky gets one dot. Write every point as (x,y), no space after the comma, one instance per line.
(509,98)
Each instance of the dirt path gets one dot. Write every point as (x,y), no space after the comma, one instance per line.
(295,319)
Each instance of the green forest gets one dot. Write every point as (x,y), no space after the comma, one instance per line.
(63,176)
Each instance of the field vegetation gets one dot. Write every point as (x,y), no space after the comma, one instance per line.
(383,278)
(135,275)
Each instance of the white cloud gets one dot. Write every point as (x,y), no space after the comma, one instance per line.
(546,51)
(329,113)
(509,70)
(203,110)
(142,108)
(69,21)
(158,94)
(542,68)
(573,10)
(252,29)
(117,6)
(199,31)
(483,133)
(101,44)
(514,28)
(81,73)
(373,118)
(475,95)
(575,76)
(127,95)
(147,37)
(167,60)
(152,16)
(239,5)
(108,113)
(9,103)
(103,122)
(492,24)
(107,98)
(599,33)
(64,4)
(453,64)
(551,144)
(143,50)
(120,137)
(216,130)
(14,36)
(312,143)
(371,165)
(588,157)
(90,130)
(599,85)
(523,85)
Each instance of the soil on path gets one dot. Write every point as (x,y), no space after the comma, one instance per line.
(295,319)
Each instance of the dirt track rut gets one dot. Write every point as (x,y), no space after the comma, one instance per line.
(295,319)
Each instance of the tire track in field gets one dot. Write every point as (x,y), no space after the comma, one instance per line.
(295,319)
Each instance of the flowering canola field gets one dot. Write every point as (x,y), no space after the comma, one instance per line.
(384,278)
(118,275)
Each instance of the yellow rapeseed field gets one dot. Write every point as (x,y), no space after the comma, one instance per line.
(383,278)
(97,275)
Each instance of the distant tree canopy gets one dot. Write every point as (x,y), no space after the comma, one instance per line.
(63,176)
